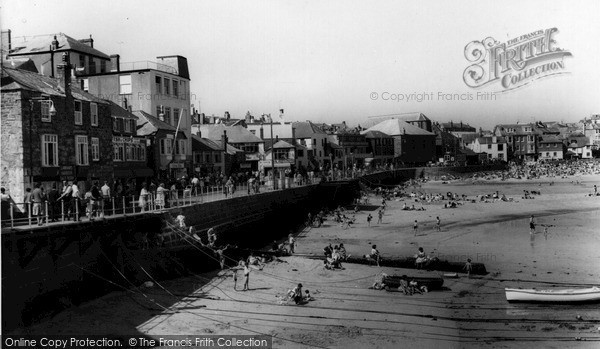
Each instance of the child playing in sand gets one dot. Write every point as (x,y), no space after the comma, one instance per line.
(307,296)
(468,267)
(374,254)
(379,216)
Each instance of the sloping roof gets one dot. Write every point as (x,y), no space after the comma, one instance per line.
(396,127)
(231,150)
(306,129)
(469,137)
(282,145)
(203,144)
(149,125)
(490,140)
(550,139)
(458,126)
(41,43)
(235,134)
(375,134)
(17,79)
(118,111)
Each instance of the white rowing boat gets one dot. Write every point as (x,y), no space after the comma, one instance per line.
(591,294)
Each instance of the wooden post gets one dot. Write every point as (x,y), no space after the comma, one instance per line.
(29,212)
(112,199)
(76,209)
(12,218)
(46,203)
(124,206)
(62,210)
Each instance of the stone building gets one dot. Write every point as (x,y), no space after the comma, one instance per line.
(52,131)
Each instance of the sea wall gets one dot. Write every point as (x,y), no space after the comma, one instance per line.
(48,269)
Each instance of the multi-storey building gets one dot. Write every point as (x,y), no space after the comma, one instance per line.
(160,89)
(52,131)
(521,139)
(381,147)
(314,139)
(129,149)
(551,147)
(412,145)
(239,137)
(354,148)
(591,129)
(495,147)
(166,146)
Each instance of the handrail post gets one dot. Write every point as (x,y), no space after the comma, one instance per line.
(132,203)
(12,217)
(112,199)
(62,210)
(76,209)
(46,204)
(29,212)
(124,206)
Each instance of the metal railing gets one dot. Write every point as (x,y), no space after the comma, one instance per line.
(77,209)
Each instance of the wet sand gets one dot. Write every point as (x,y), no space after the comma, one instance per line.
(470,312)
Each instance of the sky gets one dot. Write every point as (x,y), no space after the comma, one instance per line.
(333,61)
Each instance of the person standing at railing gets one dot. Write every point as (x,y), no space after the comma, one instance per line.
(105,191)
(229,187)
(52,197)
(160,196)
(27,201)
(76,198)
(66,198)
(37,198)
(143,201)
(5,201)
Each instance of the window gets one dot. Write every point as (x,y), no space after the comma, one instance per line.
(158,84)
(81,150)
(175,116)
(158,111)
(78,117)
(82,61)
(175,88)
(115,125)
(180,147)
(95,149)
(128,152)
(166,85)
(50,150)
(85,85)
(207,158)
(94,114)
(127,125)
(217,157)
(182,88)
(300,153)
(547,153)
(46,111)
(489,146)
(125,84)
(102,66)
(92,65)
(554,153)
(165,146)
(500,147)
(119,149)
(518,147)
(168,116)
(133,125)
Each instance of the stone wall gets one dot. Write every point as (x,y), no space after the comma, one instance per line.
(13,176)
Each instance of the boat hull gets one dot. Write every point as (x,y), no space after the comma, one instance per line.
(585,295)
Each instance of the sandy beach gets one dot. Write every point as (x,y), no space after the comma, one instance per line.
(345,313)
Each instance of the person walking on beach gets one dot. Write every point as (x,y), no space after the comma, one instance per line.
(379,216)
(415,227)
(369,219)
(438,224)
(531,225)
(374,254)
(221,256)
(291,242)
(468,267)
(246,276)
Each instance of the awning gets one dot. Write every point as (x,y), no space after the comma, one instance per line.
(123,173)
(143,172)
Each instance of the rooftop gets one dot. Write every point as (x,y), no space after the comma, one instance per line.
(28,45)
(396,127)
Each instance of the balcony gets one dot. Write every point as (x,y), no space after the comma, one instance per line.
(142,65)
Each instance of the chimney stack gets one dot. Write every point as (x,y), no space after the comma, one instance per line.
(224,140)
(54,44)
(248,117)
(262,133)
(227,116)
(89,42)
(115,61)
(64,73)
(124,102)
